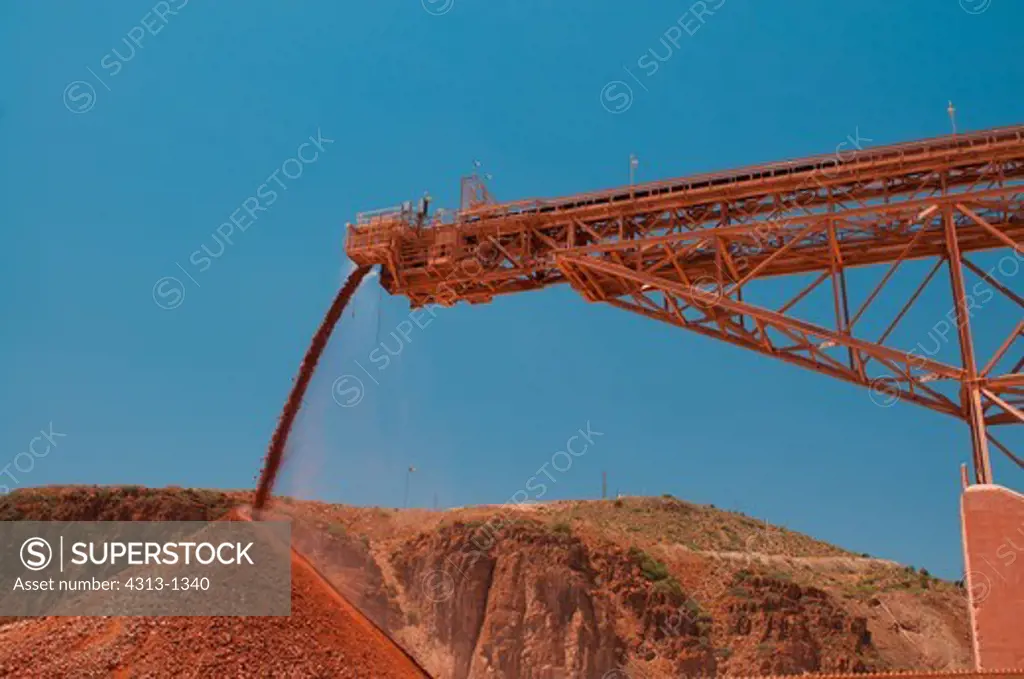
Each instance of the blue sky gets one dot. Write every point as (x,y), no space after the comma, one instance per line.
(118,166)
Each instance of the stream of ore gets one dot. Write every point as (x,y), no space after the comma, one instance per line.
(275,453)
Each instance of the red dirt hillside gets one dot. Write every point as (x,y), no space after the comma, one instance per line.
(647,587)
(324,637)
(650,587)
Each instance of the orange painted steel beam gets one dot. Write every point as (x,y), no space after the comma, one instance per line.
(700,253)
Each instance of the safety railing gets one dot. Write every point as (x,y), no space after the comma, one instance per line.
(906,152)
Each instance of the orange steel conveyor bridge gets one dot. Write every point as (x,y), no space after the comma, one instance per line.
(697,252)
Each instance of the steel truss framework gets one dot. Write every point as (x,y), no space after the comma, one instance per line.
(688,251)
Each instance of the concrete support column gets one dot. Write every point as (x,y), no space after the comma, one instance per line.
(993,535)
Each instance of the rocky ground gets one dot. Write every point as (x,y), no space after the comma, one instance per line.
(324,637)
(649,587)
(637,587)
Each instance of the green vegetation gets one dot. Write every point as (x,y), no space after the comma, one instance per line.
(651,568)
(739,592)
(657,572)
(337,530)
(562,528)
(887,579)
(869,583)
(669,586)
(865,589)
(670,520)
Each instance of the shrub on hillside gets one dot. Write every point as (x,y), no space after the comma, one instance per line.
(562,528)
(651,568)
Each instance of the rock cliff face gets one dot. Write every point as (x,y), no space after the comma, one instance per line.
(517,602)
(520,600)
(794,629)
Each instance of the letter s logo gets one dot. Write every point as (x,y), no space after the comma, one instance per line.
(36,554)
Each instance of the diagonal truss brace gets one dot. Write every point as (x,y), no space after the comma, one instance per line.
(807,344)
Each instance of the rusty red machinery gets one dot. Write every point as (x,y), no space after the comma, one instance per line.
(693,251)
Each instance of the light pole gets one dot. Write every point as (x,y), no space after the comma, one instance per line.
(408,476)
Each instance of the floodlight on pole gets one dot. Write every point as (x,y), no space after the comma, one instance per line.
(408,476)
